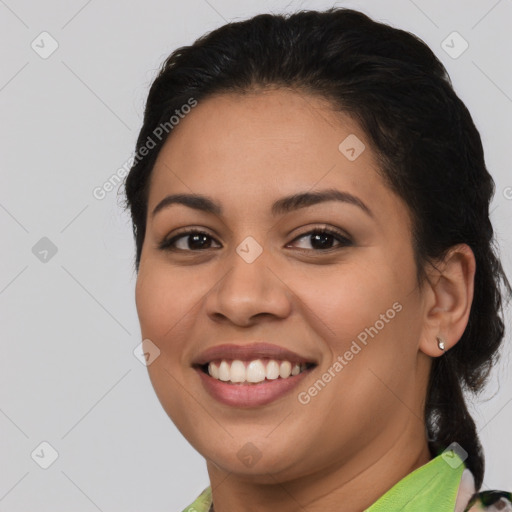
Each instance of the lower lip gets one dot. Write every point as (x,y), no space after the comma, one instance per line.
(250,395)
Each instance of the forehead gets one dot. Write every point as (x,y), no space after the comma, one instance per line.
(253,148)
(274,126)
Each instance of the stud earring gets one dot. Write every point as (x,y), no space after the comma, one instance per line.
(440,343)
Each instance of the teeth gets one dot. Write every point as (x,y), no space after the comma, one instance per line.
(285,369)
(272,370)
(213,370)
(224,371)
(237,372)
(253,371)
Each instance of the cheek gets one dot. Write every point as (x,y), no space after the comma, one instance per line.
(160,305)
(167,302)
(161,313)
(348,299)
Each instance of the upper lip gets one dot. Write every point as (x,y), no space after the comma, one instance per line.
(248,353)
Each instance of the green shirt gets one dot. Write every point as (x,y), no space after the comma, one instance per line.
(433,486)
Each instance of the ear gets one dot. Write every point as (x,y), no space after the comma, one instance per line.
(448,299)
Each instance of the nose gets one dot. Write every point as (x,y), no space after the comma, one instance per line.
(249,289)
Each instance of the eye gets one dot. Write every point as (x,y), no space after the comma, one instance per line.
(321,239)
(196,239)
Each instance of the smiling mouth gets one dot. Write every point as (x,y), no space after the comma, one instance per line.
(253,372)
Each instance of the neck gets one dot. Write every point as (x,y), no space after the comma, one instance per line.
(324,490)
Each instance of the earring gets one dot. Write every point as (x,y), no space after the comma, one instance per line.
(440,343)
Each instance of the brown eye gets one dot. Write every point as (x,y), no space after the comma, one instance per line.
(197,240)
(322,239)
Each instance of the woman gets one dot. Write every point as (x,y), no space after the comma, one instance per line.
(316,276)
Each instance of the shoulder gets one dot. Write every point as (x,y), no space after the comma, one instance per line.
(490,500)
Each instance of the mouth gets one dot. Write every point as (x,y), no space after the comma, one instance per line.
(253,372)
(251,384)
(251,375)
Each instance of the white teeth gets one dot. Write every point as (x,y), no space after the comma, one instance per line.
(272,370)
(255,371)
(224,371)
(214,370)
(236,371)
(285,370)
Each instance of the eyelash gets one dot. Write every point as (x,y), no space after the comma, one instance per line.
(166,245)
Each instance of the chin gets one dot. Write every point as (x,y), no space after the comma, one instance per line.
(257,465)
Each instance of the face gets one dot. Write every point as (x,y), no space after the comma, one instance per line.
(332,281)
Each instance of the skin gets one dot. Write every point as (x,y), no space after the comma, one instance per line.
(364,431)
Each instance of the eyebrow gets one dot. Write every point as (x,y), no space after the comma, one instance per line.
(280,207)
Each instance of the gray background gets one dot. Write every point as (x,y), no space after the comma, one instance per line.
(68,123)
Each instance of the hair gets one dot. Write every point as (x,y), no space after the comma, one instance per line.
(428,149)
